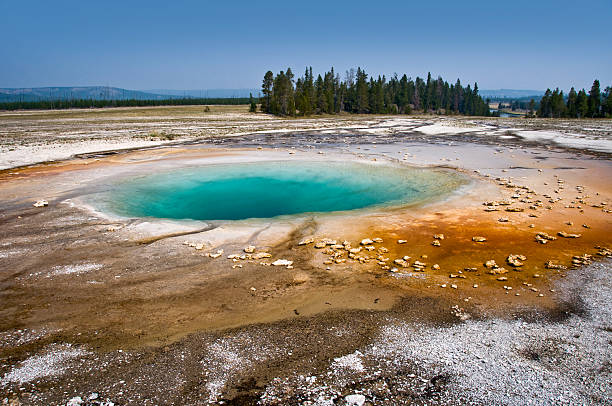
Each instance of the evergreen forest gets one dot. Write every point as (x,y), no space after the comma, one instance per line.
(595,104)
(284,95)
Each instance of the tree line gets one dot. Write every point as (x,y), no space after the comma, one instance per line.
(576,104)
(284,95)
(93,103)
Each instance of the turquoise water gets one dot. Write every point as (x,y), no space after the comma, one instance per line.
(269,189)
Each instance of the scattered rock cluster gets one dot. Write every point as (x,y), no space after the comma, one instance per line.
(249,254)
(515,260)
(543,237)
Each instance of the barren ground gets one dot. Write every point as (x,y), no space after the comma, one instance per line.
(137,311)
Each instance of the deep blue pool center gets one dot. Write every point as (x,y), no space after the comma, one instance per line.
(269,189)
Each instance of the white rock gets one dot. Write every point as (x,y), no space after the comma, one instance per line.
(216,255)
(41,203)
(282,262)
(305,241)
(355,400)
(75,401)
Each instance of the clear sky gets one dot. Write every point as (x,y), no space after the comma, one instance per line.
(230,44)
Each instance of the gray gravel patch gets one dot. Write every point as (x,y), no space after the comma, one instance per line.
(500,362)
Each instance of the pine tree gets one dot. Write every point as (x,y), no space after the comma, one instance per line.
(362,92)
(417,96)
(531,112)
(469,105)
(311,90)
(458,99)
(427,94)
(306,94)
(282,101)
(252,105)
(594,100)
(447,98)
(266,89)
(298,96)
(582,103)
(376,99)
(329,92)
(289,93)
(608,102)
(276,94)
(557,105)
(545,109)
(477,106)
(572,103)
(340,94)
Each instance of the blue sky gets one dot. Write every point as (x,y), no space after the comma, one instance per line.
(214,44)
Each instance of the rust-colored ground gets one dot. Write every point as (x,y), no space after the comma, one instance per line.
(152,289)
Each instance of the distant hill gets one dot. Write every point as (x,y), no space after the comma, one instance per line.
(114,93)
(76,92)
(510,93)
(207,93)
